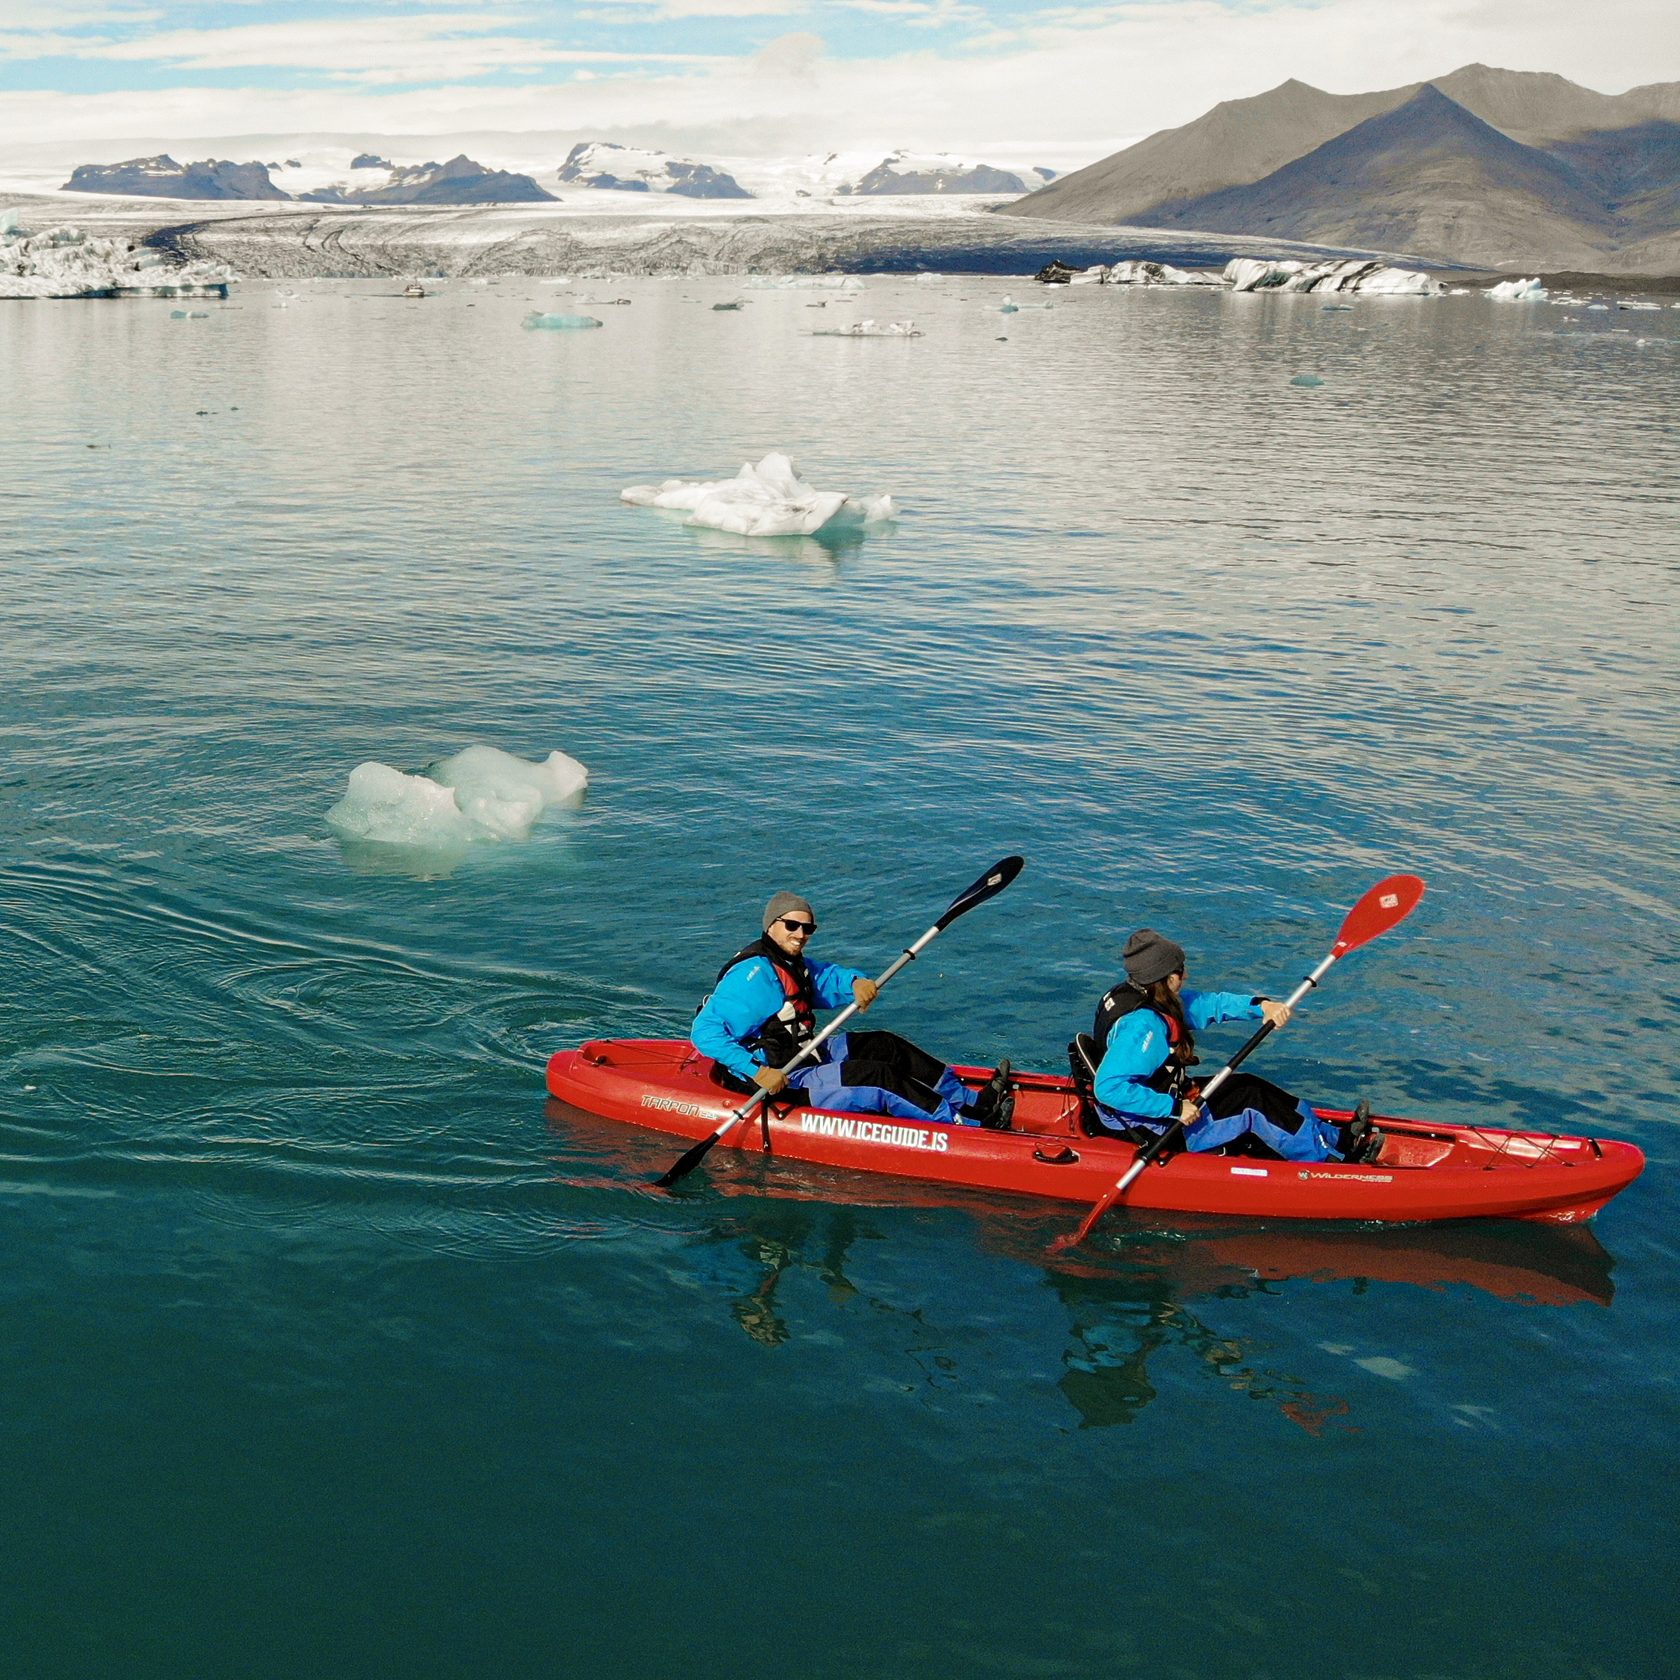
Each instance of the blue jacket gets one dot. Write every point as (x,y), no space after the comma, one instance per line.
(746,997)
(1137,1050)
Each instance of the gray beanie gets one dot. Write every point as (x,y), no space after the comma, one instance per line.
(1150,956)
(785,904)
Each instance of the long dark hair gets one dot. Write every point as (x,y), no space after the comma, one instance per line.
(1165,1001)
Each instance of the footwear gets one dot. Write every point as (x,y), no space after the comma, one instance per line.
(1370,1148)
(1356,1131)
(994,1103)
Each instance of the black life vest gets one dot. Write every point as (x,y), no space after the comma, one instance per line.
(1171,1077)
(783,1035)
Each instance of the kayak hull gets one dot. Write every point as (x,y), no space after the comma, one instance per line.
(1426,1171)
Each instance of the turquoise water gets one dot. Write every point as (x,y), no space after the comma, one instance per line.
(333,1349)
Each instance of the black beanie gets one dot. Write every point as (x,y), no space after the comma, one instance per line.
(1150,956)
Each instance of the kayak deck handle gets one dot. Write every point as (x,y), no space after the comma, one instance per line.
(1063,1157)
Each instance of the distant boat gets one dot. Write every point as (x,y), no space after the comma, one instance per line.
(414,289)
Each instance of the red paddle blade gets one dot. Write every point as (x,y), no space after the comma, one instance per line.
(1388,903)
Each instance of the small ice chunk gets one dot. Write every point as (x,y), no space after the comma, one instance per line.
(766,500)
(502,795)
(386,806)
(1007,307)
(480,793)
(538,321)
(1306,380)
(1518,291)
(722,308)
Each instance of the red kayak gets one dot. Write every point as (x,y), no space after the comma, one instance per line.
(1425,1170)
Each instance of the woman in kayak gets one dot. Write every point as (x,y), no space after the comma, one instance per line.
(1145,1032)
(762,1012)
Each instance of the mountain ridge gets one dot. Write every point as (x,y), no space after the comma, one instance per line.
(1567,177)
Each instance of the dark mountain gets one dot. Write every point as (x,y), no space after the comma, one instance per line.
(163,177)
(1427,178)
(1239,140)
(1493,167)
(460,181)
(370,160)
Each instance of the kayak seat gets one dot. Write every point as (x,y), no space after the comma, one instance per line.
(1083,1057)
(1082,1065)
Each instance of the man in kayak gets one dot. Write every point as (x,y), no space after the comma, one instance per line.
(1145,1031)
(762,1012)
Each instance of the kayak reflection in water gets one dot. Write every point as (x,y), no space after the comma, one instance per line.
(1120,1323)
(762,1012)
(1145,1035)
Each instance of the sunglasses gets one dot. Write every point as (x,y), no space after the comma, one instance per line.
(794,925)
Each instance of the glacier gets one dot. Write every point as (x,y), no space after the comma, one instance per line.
(766,500)
(480,793)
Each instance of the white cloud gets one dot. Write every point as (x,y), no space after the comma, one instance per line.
(1060,89)
(414,47)
(672,9)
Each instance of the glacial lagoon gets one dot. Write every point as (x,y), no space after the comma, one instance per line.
(334,1349)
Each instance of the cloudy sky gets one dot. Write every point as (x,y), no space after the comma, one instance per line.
(1007,80)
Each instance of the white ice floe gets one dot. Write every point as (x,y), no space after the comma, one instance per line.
(64,262)
(1518,291)
(803,282)
(481,793)
(868,328)
(537,321)
(767,500)
(1368,276)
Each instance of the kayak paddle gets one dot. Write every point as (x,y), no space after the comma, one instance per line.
(989,885)
(1388,903)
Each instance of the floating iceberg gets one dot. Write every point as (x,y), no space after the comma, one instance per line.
(537,321)
(1145,273)
(767,500)
(803,282)
(1368,276)
(479,794)
(1518,291)
(1307,381)
(64,262)
(867,328)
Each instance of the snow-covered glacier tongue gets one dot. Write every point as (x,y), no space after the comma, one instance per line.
(65,262)
(766,500)
(478,794)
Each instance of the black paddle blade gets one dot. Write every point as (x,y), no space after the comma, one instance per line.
(686,1163)
(988,886)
